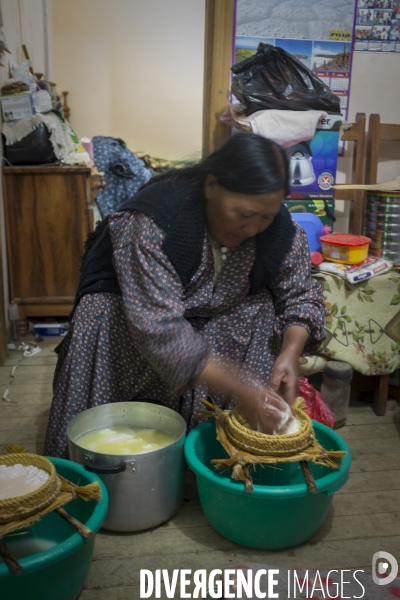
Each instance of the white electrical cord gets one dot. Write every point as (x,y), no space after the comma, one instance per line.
(29,350)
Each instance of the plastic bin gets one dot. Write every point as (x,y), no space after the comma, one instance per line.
(345,248)
(58,572)
(280,512)
(312,225)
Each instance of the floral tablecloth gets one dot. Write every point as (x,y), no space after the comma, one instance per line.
(362,324)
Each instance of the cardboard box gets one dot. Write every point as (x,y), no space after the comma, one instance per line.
(316,207)
(17,106)
(49,329)
(313,162)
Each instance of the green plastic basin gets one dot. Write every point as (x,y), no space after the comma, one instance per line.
(58,571)
(280,512)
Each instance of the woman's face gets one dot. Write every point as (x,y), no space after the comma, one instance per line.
(232,217)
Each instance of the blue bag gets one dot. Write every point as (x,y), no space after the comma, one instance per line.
(124,173)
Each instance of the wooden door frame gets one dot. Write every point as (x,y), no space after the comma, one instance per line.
(3,321)
(219,34)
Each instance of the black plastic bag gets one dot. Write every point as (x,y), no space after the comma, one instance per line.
(273,78)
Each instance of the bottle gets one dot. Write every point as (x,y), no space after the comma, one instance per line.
(335,389)
(13,316)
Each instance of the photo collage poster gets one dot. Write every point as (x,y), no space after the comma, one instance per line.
(377,26)
(317,32)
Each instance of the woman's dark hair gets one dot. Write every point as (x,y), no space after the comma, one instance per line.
(246,164)
(249,164)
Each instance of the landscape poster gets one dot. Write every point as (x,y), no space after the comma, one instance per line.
(317,32)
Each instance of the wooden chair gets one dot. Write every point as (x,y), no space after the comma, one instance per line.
(356,134)
(379,132)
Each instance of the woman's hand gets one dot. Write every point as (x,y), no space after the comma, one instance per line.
(264,409)
(285,376)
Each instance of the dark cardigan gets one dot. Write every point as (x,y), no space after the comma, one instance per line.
(179,210)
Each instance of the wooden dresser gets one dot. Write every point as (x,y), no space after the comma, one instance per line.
(48,213)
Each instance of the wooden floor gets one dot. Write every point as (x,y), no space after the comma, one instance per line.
(364,517)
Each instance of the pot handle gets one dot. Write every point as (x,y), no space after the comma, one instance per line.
(104,470)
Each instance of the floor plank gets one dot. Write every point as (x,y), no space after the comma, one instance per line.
(375,446)
(24,392)
(37,359)
(35,448)
(11,410)
(370,432)
(118,593)
(23,423)
(375,462)
(371,482)
(369,418)
(29,436)
(27,374)
(370,502)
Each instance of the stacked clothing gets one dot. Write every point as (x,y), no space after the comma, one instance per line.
(123,172)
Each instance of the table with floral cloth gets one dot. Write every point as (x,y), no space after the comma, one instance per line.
(362,324)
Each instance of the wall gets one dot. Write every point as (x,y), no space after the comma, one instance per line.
(23,23)
(133,69)
(137,73)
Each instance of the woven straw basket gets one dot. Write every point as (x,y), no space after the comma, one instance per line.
(260,444)
(246,447)
(23,506)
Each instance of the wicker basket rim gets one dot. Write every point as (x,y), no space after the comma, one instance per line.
(46,465)
(258,436)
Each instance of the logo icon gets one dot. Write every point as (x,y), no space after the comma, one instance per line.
(325,181)
(379,568)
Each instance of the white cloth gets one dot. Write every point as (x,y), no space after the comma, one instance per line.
(15,131)
(60,135)
(285,127)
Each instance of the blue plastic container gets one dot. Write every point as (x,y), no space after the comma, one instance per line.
(59,572)
(280,512)
(312,225)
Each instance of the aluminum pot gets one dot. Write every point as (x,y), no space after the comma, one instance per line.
(144,489)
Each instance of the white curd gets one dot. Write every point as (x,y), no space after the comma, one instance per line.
(125,440)
(18,480)
(293,426)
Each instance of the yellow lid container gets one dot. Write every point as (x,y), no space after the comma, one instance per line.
(345,248)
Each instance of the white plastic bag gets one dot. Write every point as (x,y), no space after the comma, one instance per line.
(42,101)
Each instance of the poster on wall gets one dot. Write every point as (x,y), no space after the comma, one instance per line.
(318,33)
(377,26)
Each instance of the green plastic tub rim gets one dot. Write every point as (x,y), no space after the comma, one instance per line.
(329,483)
(56,553)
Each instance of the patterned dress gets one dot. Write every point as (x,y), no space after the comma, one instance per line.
(153,341)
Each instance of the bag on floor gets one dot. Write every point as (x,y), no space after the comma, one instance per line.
(316,407)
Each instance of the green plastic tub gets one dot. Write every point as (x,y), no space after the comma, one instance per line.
(280,512)
(58,571)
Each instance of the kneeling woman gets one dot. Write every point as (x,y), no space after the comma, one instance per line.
(201,283)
